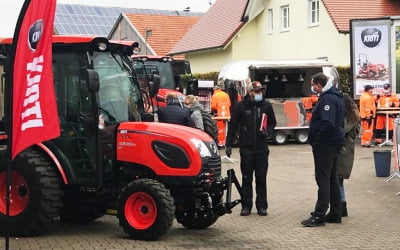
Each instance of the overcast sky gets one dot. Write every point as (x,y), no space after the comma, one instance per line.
(9,9)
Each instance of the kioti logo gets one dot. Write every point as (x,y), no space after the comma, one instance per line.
(371,37)
(34,34)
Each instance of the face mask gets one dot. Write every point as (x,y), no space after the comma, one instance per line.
(312,90)
(258,97)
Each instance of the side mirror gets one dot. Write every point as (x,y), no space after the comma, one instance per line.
(192,87)
(187,68)
(92,80)
(154,85)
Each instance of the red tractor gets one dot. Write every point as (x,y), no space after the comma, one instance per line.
(369,70)
(168,69)
(110,157)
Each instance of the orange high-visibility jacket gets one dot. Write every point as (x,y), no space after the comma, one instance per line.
(221,103)
(387,101)
(367,105)
(309,102)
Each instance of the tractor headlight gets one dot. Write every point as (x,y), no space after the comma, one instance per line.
(201,147)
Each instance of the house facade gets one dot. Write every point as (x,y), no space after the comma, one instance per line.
(278,29)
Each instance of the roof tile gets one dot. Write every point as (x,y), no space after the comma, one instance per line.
(341,11)
(166,30)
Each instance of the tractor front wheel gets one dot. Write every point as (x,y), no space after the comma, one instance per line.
(145,209)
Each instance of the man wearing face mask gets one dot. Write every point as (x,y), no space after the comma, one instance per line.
(326,135)
(255,120)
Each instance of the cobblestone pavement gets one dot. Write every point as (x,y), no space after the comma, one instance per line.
(373,221)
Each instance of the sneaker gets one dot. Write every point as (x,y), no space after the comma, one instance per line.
(262,212)
(245,212)
(367,145)
(313,221)
(333,218)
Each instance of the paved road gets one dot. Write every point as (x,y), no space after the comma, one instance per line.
(373,221)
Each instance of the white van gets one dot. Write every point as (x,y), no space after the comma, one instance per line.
(287,83)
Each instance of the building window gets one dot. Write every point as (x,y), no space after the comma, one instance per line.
(270,25)
(313,12)
(285,18)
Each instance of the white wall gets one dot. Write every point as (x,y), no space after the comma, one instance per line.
(302,41)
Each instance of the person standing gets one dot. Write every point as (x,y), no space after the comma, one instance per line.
(220,106)
(174,112)
(367,114)
(345,158)
(193,104)
(309,104)
(255,120)
(386,100)
(326,135)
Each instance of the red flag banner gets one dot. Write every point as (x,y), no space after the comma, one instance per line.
(35,116)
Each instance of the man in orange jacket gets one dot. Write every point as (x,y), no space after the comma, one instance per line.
(367,115)
(220,105)
(308,104)
(386,100)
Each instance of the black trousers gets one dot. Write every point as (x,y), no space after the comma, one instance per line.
(325,157)
(254,161)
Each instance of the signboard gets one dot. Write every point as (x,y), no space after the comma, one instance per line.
(371,53)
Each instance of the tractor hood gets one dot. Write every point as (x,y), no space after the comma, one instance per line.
(175,149)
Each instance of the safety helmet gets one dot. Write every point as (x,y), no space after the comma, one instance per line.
(386,89)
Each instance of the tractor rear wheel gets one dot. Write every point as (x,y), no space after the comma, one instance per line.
(35,197)
(145,209)
(210,127)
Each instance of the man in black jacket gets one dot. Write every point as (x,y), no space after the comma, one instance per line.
(326,137)
(174,112)
(255,120)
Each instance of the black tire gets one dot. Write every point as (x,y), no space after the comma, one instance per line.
(301,136)
(210,127)
(279,138)
(37,192)
(145,209)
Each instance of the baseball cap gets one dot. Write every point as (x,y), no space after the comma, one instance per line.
(254,86)
(368,87)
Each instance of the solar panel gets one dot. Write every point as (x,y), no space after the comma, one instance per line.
(72,19)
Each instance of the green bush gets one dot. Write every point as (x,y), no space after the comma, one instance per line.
(346,80)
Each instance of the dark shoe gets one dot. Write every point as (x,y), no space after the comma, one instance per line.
(245,212)
(344,209)
(313,221)
(262,212)
(333,218)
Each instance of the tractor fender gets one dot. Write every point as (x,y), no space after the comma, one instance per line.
(55,161)
(45,149)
